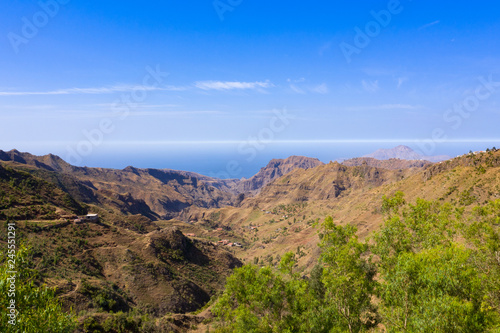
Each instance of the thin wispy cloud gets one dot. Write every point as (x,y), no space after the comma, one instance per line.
(88,114)
(401,80)
(93,91)
(370,86)
(28,107)
(174,113)
(325,47)
(232,85)
(204,85)
(428,25)
(296,80)
(384,107)
(302,89)
(320,89)
(296,89)
(139,105)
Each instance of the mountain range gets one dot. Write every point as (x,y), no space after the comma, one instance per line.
(164,193)
(162,245)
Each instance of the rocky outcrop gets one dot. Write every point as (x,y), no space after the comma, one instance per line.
(275,169)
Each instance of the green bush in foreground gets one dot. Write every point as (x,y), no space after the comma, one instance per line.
(436,271)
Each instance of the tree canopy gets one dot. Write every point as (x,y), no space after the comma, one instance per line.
(431,267)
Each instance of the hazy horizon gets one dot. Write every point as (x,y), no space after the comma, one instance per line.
(214,162)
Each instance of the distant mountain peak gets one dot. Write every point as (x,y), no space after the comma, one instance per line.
(404,153)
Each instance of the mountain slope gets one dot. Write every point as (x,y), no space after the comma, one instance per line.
(23,196)
(281,217)
(99,270)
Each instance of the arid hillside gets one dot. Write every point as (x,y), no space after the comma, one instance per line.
(23,196)
(282,216)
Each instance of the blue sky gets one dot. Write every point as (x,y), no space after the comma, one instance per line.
(76,80)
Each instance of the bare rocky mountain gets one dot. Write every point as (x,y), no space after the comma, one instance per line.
(275,169)
(404,153)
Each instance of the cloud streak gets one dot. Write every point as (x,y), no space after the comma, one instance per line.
(318,89)
(92,91)
(425,26)
(203,85)
(232,85)
(385,107)
(370,86)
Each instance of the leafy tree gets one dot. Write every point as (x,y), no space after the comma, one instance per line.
(428,281)
(347,277)
(433,290)
(287,263)
(316,285)
(260,300)
(483,235)
(392,204)
(436,272)
(421,226)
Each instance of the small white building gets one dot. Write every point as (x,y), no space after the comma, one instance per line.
(87,218)
(92,217)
